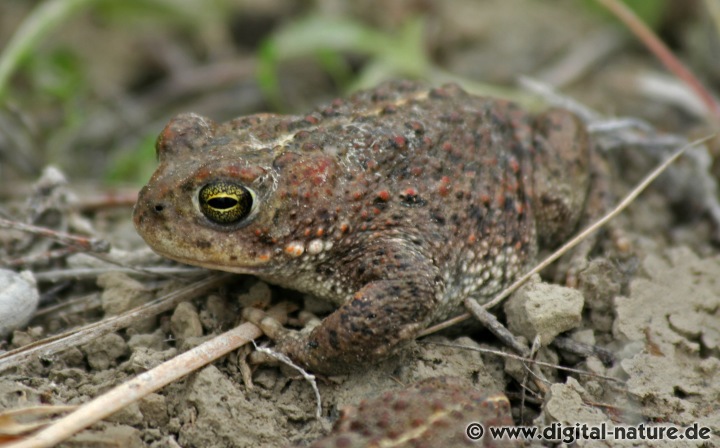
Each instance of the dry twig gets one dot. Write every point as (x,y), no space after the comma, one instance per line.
(145,383)
(55,344)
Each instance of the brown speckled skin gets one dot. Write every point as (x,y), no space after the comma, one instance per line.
(432,413)
(394,204)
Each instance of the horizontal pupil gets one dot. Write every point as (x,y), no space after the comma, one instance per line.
(222,203)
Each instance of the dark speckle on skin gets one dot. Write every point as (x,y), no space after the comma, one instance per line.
(203,244)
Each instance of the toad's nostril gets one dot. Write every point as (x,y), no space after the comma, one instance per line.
(159,207)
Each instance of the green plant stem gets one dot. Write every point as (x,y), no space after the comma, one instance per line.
(43,19)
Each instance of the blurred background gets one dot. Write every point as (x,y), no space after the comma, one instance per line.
(87,85)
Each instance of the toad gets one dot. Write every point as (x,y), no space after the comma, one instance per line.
(440,411)
(394,204)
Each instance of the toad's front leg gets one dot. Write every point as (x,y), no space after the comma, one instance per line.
(401,291)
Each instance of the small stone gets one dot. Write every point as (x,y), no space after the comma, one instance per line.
(259,296)
(129,415)
(565,404)
(217,313)
(154,409)
(185,322)
(120,435)
(545,310)
(21,338)
(154,341)
(19,299)
(104,351)
(122,293)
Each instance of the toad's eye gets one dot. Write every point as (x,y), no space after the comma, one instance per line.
(225,202)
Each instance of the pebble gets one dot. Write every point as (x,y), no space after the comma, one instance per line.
(19,299)
(544,310)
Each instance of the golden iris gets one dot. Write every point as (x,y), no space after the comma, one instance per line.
(225,202)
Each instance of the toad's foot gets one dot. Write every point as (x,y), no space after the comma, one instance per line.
(379,319)
(361,332)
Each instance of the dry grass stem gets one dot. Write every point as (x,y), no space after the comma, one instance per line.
(527,360)
(144,384)
(307,376)
(55,344)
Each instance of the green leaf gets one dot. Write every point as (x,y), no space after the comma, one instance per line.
(398,54)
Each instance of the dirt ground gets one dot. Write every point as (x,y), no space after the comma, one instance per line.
(650,295)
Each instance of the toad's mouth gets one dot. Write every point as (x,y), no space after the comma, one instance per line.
(254,266)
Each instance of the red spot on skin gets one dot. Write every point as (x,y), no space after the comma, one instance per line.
(250,173)
(376,211)
(357,195)
(472,239)
(401,405)
(320,232)
(307,232)
(202,174)
(485,198)
(344,228)
(518,245)
(312,120)
(166,135)
(232,170)
(364,214)
(444,189)
(258,232)
(363,227)
(410,192)
(383,195)
(319,172)
(447,147)
(416,171)
(265,256)
(417,127)
(519,209)
(399,142)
